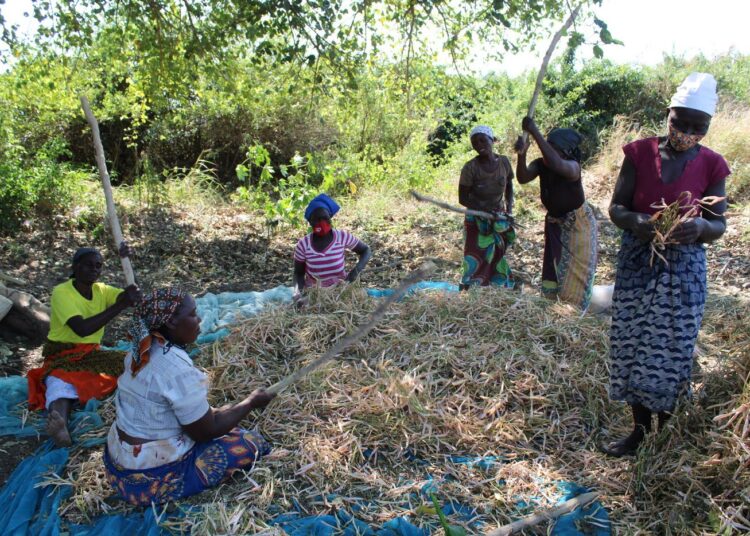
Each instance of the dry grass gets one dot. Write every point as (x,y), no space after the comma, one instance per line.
(669,217)
(729,135)
(606,165)
(480,373)
(434,379)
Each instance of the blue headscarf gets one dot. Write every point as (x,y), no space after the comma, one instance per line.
(322,201)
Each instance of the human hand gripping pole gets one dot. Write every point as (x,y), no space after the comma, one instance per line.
(414,277)
(543,69)
(493,216)
(114,222)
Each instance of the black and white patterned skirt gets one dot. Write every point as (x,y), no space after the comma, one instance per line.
(657,313)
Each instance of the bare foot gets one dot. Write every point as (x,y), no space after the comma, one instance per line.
(57,429)
(626,446)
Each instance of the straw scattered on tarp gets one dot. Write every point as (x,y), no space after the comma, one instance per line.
(447,377)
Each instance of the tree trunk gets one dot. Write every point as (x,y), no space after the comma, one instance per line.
(5,305)
(27,316)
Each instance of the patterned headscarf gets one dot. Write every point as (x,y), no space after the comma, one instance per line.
(482,129)
(155,309)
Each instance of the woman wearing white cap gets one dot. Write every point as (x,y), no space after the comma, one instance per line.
(486,184)
(658,307)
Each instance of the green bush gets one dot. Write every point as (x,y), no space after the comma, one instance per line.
(322,129)
(283,192)
(40,184)
(732,73)
(588,100)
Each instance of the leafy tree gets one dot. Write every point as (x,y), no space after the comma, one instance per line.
(350,83)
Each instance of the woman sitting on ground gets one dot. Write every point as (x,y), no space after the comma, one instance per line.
(486,185)
(167,442)
(658,306)
(570,237)
(319,257)
(75,369)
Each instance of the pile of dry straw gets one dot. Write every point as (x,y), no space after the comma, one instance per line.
(486,372)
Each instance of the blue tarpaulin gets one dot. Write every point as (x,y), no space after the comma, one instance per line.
(13,402)
(31,508)
(220,311)
(27,507)
(593,519)
(327,525)
(138,524)
(13,420)
(422,285)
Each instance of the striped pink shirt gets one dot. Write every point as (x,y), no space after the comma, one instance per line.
(325,267)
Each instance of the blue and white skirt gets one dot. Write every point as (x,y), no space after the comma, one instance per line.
(657,313)
(204,466)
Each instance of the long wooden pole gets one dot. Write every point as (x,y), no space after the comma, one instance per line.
(114,222)
(545,62)
(460,210)
(414,277)
(546,515)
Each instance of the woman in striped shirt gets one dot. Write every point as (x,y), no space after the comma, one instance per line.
(319,258)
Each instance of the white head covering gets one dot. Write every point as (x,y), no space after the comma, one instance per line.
(697,91)
(482,129)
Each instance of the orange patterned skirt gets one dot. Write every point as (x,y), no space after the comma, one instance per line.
(91,370)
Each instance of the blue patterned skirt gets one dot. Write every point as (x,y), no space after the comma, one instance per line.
(202,467)
(657,312)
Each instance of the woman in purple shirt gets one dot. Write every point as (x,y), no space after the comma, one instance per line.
(658,306)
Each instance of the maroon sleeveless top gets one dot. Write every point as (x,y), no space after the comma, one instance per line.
(699,174)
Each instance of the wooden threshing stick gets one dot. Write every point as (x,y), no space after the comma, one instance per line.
(114,222)
(364,329)
(467,211)
(543,69)
(545,515)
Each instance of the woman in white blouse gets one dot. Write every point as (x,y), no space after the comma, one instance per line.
(167,442)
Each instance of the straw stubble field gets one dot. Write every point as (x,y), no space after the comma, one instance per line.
(483,373)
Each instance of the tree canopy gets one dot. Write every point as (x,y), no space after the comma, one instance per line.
(167,33)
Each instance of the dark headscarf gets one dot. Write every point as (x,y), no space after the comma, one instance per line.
(322,201)
(152,313)
(567,141)
(80,254)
